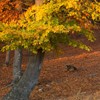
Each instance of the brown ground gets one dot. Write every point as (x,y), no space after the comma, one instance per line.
(55,82)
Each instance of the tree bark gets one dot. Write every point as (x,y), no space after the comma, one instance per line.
(7,60)
(22,90)
(17,72)
(38,2)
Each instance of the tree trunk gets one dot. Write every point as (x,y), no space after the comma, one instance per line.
(7,60)
(22,90)
(38,2)
(17,72)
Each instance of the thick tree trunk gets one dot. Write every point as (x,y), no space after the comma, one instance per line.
(22,90)
(17,72)
(7,60)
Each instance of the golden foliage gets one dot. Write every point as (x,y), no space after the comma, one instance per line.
(47,25)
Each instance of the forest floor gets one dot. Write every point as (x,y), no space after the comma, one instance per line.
(55,82)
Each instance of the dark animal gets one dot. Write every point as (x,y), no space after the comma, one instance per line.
(70,68)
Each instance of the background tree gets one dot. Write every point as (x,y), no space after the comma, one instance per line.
(7,59)
(40,29)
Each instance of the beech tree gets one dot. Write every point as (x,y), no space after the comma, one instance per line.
(17,71)
(40,29)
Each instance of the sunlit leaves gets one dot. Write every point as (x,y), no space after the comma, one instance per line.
(47,25)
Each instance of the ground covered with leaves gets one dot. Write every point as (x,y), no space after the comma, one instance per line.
(55,82)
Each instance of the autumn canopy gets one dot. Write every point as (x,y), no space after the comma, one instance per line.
(49,24)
